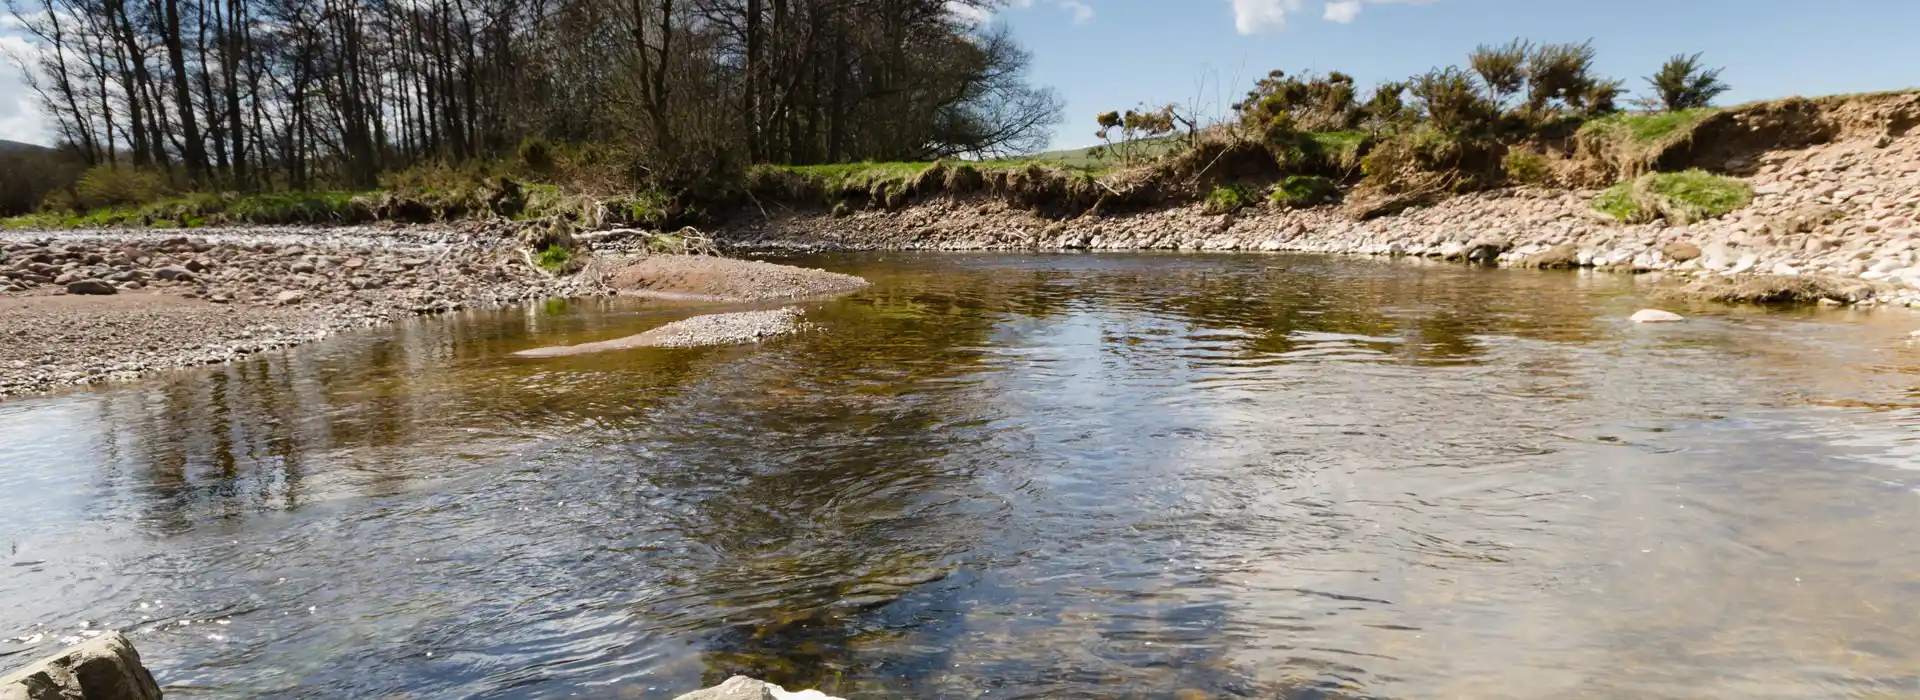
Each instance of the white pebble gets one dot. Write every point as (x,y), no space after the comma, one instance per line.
(1656,316)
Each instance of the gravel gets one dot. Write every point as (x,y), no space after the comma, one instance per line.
(726,279)
(699,331)
(91,306)
(1848,209)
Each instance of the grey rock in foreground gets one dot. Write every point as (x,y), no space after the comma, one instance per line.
(107,668)
(744,688)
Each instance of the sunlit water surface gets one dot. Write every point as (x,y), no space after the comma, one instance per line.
(1010,476)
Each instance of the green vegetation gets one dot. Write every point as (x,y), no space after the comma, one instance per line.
(1618,204)
(1227,199)
(200,209)
(1520,113)
(1680,198)
(1302,191)
(553,259)
(1526,167)
(1647,127)
(1685,83)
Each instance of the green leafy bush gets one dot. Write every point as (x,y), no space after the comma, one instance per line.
(1685,83)
(1228,199)
(1301,191)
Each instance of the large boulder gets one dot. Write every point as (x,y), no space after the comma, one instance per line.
(744,688)
(107,668)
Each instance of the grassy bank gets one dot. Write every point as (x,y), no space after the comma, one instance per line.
(1652,165)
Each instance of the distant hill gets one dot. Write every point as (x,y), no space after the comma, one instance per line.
(16,146)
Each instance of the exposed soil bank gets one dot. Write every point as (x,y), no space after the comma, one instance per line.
(1846,209)
(161,300)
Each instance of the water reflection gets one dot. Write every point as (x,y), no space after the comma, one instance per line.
(1010,476)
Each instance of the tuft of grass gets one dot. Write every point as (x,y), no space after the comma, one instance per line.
(553,259)
(1618,204)
(1695,195)
(1302,191)
(1228,199)
(1681,198)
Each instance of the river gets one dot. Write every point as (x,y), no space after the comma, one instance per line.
(1010,476)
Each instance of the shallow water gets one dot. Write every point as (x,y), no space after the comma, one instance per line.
(1010,476)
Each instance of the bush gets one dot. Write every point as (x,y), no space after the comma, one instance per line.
(1526,167)
(1452,102)
(1228,199)
(1684,83)
(536,154)
(1302,191)
(119,185)
(1680,198)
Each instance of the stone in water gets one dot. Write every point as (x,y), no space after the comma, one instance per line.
(1656,316)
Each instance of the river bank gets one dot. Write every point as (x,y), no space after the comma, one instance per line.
(1846,210)
(81,307)
(1837,223)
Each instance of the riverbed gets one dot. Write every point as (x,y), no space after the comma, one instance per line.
(1009,476)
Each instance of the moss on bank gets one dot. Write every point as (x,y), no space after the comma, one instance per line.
(1680,198)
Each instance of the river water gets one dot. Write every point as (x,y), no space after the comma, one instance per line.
(1010,476)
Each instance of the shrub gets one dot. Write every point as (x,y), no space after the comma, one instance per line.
(1452,101)
(1387,106)
(1502,68)
(1228,199)
(1684,83)
(1301,191)
(1526,167)
(1680,198)
(536,154)
(1558,72)
(119,185)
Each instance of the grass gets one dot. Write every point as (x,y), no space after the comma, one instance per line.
(1302,191)
(1229,199)
(206,209)
(553,259)
(1649,127)
(1340,149)
(1681,198)
(1618,204)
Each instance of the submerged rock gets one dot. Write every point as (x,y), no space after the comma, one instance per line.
(744,688)
(1656,316)
(107,668)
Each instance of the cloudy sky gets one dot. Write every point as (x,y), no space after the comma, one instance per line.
(1115,54)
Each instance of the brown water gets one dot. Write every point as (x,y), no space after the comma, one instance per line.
(1011,476)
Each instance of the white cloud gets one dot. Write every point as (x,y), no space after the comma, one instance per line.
(1342,11)
(1082,12)
(1257,16)
(969,14)
(20,117)
(1261,16)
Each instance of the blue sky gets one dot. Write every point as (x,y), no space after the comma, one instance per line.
(1115,54)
